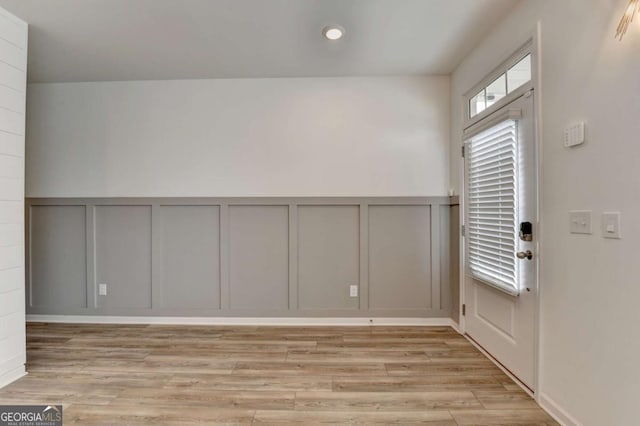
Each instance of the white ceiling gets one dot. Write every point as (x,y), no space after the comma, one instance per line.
(94,40)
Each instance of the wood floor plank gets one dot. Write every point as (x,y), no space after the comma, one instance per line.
(109,374)
(408,345)
(502,417)
(417,384)
(123,414)
(431,418)
(504,399)
(264,400)
(311,368)
(93,378)
(252,382)
(186,365)
(322,355)
(385,401)
(217,356)
(431,369)
(63,353)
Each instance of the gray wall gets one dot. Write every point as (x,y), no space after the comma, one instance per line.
(240,256)
(454,256)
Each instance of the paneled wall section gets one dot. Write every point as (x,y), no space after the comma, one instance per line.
(240,257)
(13,66)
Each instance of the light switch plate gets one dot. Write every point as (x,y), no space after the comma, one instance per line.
(574,135)
(611,225)
(353,291)
(580,222)
(102,289)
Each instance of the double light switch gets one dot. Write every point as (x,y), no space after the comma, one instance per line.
(580,222)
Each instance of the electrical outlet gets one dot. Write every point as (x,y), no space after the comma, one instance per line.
(102,289)
(353,291)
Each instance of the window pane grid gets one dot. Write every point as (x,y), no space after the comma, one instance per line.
(504,84)
(492,205)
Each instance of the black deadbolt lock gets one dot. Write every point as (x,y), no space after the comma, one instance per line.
(526,231)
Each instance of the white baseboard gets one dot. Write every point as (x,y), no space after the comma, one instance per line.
(555,411)
(12,375)
(96,319)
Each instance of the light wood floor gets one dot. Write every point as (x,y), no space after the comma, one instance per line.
(128,374)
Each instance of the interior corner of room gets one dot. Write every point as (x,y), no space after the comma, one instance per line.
(338,208)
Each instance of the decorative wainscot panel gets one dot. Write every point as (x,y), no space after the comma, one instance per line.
(240,257)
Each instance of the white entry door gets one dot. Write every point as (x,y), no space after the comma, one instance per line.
(501,222)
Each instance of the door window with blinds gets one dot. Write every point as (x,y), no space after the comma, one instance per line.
(492,203)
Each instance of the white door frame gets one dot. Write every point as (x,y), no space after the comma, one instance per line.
(533,41)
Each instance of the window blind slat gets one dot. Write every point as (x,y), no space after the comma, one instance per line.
(489,249)
(491,162)
(494,150)
(495,129)
(493,278)
(492,196)
(495,239)
(492,205)
(502,264)
(487,270)
(503,204)
(489,267)
(492,173)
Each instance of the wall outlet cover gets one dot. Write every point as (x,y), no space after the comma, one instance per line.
(102,289)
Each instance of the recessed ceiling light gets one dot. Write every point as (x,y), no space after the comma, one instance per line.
(333,32)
